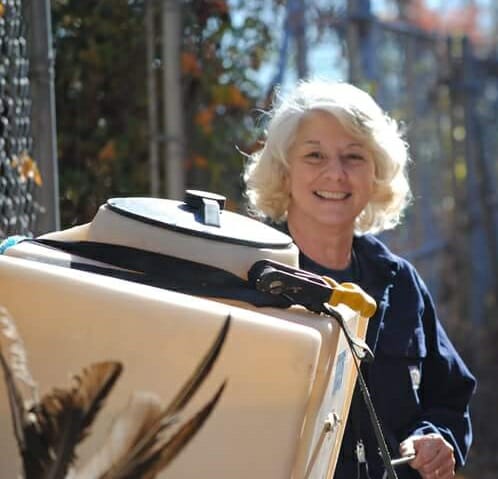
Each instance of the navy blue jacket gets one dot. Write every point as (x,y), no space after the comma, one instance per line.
(418,382)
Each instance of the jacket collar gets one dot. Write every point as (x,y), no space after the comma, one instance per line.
(377,260)
(379,268)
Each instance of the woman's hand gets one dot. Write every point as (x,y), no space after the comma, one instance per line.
(434,458)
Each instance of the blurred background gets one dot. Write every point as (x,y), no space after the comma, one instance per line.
(103,98)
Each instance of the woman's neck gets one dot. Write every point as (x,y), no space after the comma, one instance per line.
(329,246)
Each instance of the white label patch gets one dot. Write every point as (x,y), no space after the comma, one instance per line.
(415,376)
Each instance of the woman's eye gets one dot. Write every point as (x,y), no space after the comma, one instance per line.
(355,157)
(314,155)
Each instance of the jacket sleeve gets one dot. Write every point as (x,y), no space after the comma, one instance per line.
(446,383)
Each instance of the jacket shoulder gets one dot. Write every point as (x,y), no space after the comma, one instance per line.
(376,251)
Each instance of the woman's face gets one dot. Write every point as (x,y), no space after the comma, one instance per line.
(331,173)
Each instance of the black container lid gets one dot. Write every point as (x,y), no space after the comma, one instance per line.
(190,218)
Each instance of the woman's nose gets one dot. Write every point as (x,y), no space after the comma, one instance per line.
(334,168)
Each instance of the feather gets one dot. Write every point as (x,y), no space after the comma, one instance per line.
(64,416)
(189,388)
(142,411)
(205,366)
(150,462)
(21,388)
(49,430)
(149,448)
(176,444)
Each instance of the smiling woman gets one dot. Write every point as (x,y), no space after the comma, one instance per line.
(331,175)
(363,123)
(331,172)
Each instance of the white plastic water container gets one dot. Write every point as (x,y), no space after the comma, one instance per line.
(290,373)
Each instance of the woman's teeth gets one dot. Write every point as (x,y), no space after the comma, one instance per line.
(332,195)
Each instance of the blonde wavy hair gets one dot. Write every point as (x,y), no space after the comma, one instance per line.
(266,170)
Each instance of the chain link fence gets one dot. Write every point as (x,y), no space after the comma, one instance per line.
(18,172)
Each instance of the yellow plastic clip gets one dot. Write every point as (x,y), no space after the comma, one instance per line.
(353,296)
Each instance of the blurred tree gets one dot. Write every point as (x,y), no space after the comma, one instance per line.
(462,18)
(100,102)
(225,46)
(101,96)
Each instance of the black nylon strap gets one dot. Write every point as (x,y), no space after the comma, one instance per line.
(163,271)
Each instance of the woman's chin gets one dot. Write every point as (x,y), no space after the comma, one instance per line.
(329,221)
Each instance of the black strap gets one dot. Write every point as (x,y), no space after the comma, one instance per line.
(163,271)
